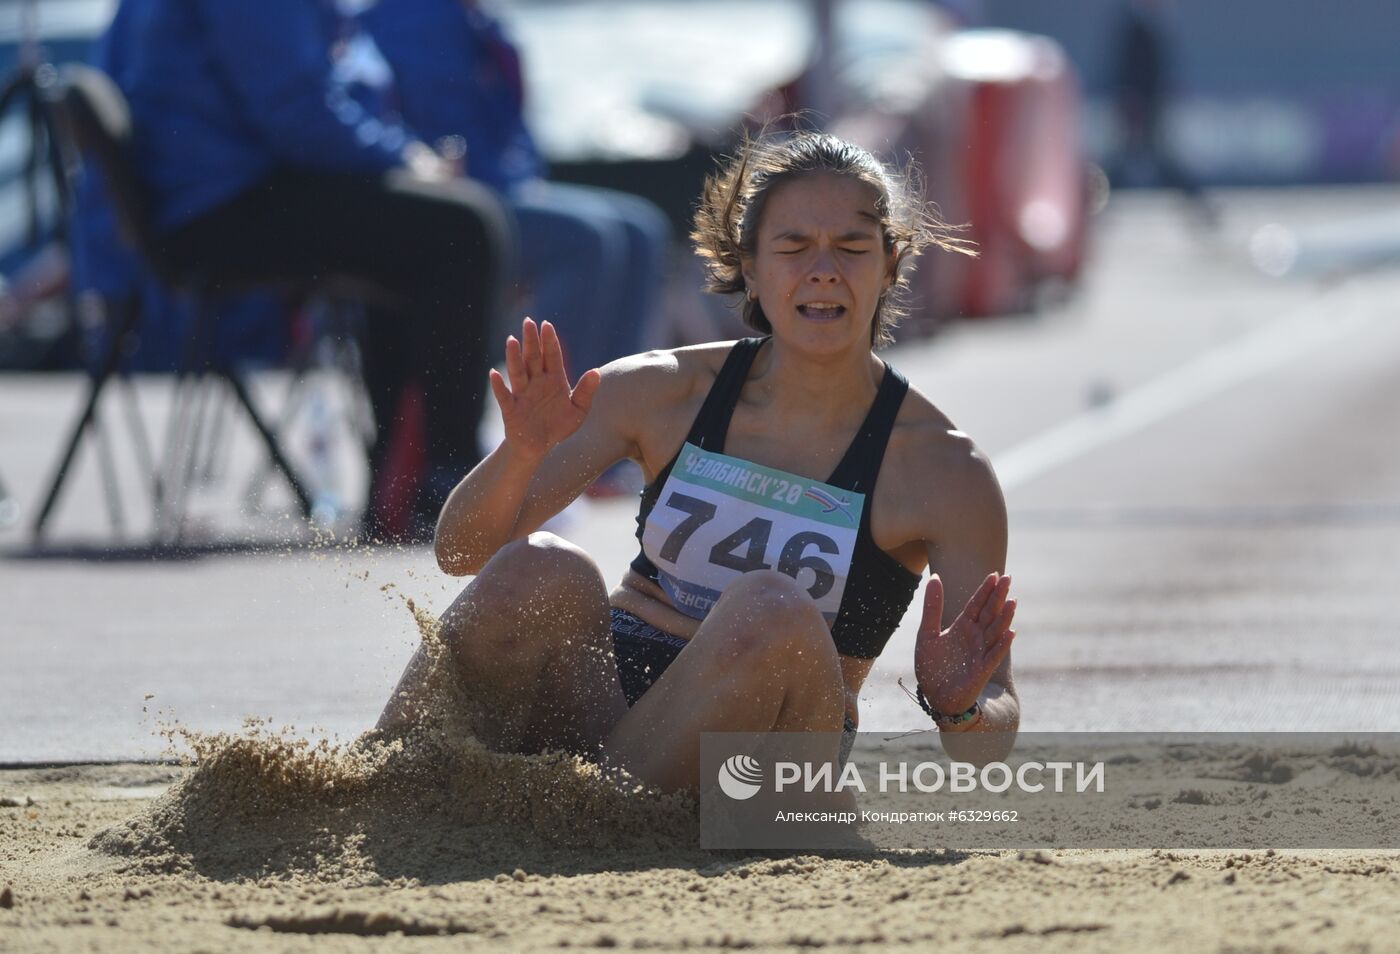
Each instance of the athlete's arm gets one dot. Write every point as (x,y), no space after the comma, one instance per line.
(962,654)
(558,439)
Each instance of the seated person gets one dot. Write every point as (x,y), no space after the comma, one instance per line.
(592,258)
(261,166)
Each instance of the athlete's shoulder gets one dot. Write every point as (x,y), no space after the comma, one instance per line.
(662,374)
(927,447)
(937,483)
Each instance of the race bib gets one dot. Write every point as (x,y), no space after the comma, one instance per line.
(719,516)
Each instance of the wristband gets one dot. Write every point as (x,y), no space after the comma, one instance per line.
(944,721)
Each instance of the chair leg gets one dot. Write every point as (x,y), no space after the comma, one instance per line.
(329,349)
(106,459)
(211,455)
(267,467)
(115,349)
(361,411)
(182,429)
(182,451)
(9,510)
(274,448)
(347,321)
(145,457)
(107,464)
(166,484)
(299,366)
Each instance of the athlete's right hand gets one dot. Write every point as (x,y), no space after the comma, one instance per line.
(538,408)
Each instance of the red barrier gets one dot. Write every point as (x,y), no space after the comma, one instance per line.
(997,135)
(1020,168)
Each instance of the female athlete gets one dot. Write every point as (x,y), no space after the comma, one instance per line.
(797,488)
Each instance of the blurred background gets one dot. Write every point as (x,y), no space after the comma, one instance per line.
(1023,115)
(1177,342)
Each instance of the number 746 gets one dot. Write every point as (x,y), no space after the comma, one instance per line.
(752,538)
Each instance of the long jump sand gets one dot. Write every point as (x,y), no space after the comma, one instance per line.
(89,862)
(274,842)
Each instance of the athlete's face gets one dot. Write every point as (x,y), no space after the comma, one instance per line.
(819,264)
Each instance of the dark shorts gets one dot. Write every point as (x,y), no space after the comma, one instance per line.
(643,652)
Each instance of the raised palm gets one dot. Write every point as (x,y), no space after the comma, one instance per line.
(954,664)
(538,408)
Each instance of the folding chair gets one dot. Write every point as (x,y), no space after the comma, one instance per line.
(93,119)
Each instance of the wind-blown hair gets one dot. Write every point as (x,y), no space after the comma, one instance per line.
(733,199)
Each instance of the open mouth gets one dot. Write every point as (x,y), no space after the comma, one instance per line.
(821,310)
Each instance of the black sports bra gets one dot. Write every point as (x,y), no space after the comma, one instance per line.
(879,588)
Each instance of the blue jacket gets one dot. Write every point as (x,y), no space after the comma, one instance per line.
(456,73)
(222,91)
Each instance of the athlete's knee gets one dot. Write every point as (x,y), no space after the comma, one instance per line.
(540,565)
(770,597)
(527,589)
(769,613)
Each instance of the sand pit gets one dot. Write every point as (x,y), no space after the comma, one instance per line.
(425,839)
(428,841)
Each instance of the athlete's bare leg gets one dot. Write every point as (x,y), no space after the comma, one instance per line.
(762,661)
(530,642)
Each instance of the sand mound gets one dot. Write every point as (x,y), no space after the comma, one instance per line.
(420,806)
(427,803)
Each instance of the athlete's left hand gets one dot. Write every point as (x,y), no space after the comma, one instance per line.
(954,664)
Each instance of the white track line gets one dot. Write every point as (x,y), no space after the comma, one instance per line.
(1323,320)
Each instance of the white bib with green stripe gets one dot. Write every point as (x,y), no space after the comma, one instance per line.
(719,516)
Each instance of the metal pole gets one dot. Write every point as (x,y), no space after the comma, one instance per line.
(820,94)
